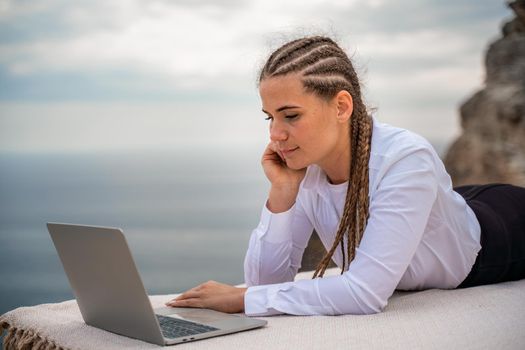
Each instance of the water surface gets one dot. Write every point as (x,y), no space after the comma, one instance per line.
(187,217)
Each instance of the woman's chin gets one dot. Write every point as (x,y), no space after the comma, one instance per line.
(295,165)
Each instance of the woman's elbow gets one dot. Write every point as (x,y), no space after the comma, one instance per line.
(373,310)
(363,310)
(362,307)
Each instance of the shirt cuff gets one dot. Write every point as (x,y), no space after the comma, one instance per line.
(256,300)
(276,228)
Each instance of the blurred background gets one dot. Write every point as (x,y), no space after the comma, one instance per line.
(145,115)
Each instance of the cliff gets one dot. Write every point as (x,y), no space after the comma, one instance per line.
(492,145)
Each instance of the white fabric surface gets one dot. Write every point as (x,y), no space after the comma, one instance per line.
(486,317)
(420,234)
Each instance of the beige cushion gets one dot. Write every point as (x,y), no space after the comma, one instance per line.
(486,317)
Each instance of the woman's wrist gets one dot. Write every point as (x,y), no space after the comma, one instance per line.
(242,294)
(282,198)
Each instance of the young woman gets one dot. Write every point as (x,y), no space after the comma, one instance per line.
(378,196)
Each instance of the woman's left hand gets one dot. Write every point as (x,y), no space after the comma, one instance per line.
(212,295)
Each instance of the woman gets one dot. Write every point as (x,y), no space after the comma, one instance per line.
(379,197)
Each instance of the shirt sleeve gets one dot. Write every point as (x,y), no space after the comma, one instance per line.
(399,211)
(276,246)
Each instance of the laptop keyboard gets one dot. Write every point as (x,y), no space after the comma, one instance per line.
(174,327)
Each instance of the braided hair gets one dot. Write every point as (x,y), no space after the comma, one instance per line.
(325,69)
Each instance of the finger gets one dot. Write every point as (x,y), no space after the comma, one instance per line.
(273,153)
(277,151)
(188,294)
(281,155)
(268,151)
(272,147)
(193,302)
(182,296)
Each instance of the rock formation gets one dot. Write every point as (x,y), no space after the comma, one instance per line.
(492,146)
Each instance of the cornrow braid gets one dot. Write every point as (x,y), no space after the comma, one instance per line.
(325,69)
(295,47)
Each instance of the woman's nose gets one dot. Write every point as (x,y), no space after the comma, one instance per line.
(278,131)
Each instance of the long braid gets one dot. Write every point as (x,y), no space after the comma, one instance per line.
(325,70)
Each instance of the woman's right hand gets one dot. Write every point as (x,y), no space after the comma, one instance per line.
(284,180)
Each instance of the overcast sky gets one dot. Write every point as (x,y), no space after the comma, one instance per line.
(133,74)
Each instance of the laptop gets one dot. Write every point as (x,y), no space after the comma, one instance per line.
(111,296)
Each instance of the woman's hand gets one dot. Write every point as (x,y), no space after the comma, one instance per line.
(276,170)
(212,295)
(285,181)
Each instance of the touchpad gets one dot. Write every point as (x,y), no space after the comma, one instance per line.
(203,316)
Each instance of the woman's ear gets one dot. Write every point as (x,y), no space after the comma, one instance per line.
(345,106)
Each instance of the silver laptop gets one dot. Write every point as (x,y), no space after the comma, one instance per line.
(111,296)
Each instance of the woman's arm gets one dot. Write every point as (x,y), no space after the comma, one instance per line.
(399,212)
(276,246)
(274,255)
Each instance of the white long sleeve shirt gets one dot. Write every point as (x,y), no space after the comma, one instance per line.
(420,234)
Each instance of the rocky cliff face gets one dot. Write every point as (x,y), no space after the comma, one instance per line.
(492,146)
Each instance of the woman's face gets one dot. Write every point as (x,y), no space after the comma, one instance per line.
(305,128)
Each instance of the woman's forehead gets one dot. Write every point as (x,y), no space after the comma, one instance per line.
(281,90)
(281,82)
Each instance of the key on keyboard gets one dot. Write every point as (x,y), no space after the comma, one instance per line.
(174,327)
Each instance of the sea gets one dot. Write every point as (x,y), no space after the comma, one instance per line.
(187,217)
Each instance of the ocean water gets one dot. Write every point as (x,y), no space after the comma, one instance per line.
(187,216)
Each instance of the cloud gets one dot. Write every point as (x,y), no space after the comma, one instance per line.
(192,47)
(415,57)
(196,43)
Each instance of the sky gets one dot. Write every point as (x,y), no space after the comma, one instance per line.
(94,75)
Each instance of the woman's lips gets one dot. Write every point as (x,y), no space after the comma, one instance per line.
(288,152)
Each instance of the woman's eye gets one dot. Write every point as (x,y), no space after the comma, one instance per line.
(268,118)
(292,116)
